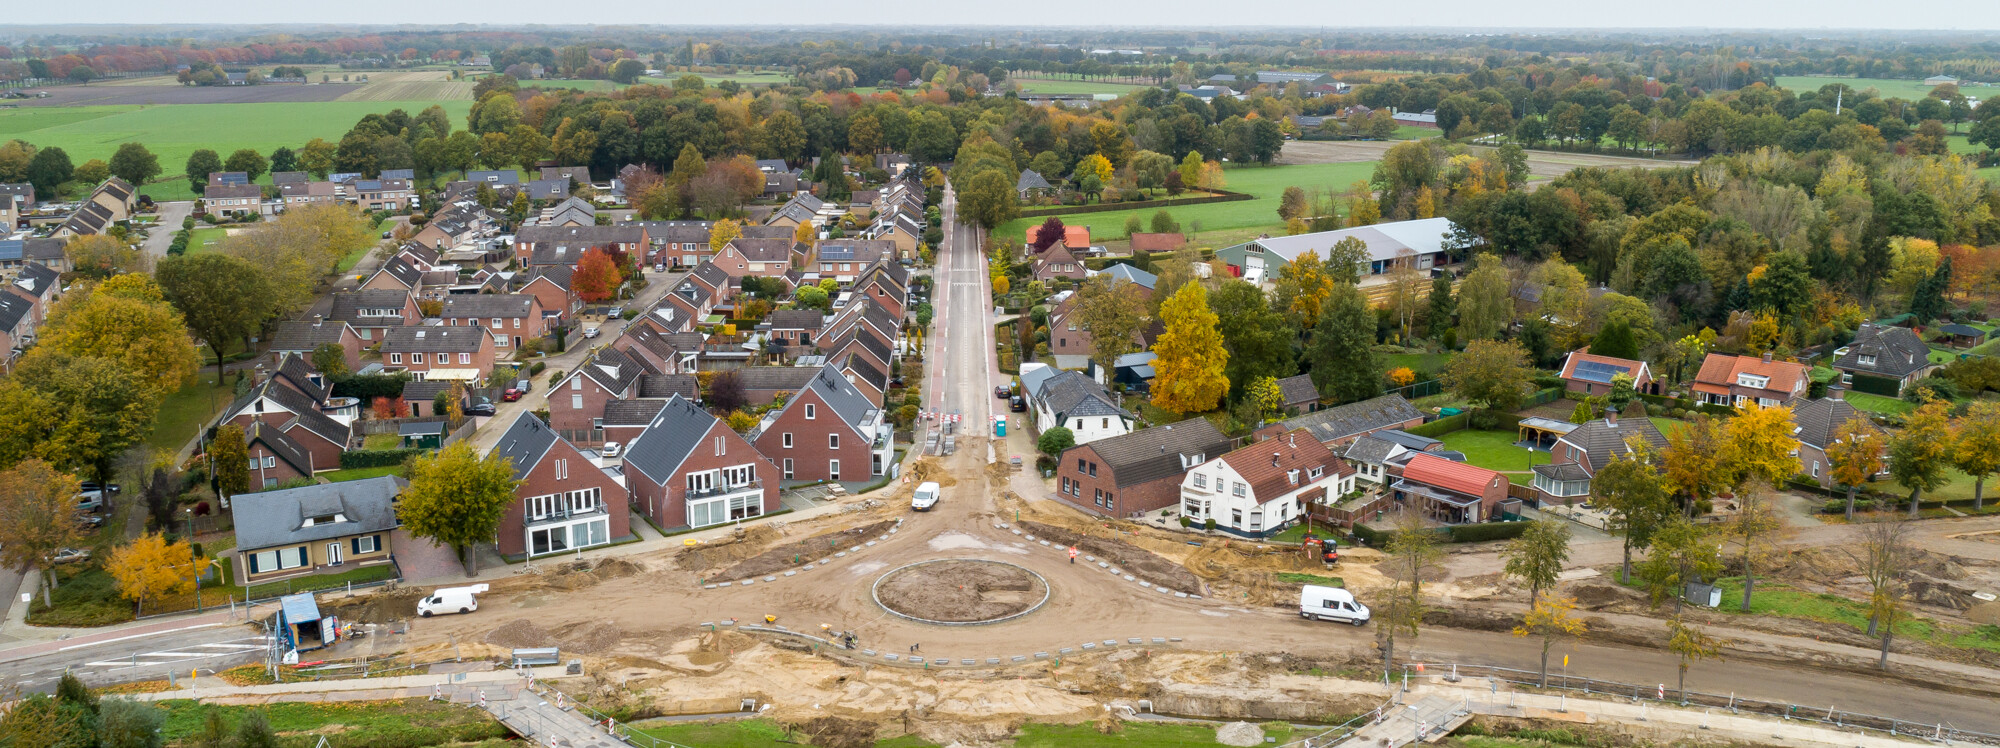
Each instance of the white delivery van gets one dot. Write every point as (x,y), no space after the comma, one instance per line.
(925,497)
(451,600)
(1331,604)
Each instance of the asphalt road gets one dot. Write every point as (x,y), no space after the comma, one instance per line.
(961,373)
(162,235)
(140,657)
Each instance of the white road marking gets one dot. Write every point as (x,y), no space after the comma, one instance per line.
(233,646)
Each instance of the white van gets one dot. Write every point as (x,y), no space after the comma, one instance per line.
(1318,603)
(925,497)
(451,600)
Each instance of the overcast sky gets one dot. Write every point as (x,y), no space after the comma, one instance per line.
(1304,14)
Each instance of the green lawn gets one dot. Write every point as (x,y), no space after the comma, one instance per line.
(1877,403)
(207,239)
(1779,600)
(173,131)
(1493,450)
(1911,89)
(1667,426)
(409,722)
(1075,87)
(184,412)
(1418,362)
(1297,578)
(1238,220)
(1991,173)
(338,476)
(1413,132)
(357,575)
(747,733)
(1155,735)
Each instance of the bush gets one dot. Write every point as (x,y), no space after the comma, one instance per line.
(1487,531)
(1369,535)
(536,368)
(1876,385)
(1441,426)
(367,458)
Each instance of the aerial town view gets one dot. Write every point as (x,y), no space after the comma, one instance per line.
(1050,376)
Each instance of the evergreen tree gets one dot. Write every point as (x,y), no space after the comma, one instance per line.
(1342,354)
(1615,340)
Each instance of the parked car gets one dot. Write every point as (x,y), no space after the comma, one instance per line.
(612,449)
(451,600)
(90,520)
(481,407)
(590,331)
(1017,404)
(511,394)
(524,386)
(1002,392)
(1318,603)
(67,555)
(91,485)
(617,311)
(90,501)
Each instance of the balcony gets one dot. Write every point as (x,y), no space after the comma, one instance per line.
(689,494)
(565,513)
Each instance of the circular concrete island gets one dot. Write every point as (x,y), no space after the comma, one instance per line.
(960,592)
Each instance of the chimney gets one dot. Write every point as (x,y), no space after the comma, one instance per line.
(1767,357)
(1291,440)
(1611,417)
(1274,459)
(1836,393)
(316,320)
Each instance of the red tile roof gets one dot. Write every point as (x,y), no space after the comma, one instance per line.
(1075,236)
(1454,476)
(1719,372)
(1266,465)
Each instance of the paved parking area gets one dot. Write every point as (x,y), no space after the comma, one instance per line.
(423,562)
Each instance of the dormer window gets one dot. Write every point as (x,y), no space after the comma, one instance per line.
(1867,360)
(1752,380)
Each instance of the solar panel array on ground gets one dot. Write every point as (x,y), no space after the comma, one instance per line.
(1597,371)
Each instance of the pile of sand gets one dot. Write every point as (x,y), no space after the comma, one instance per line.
(1242,734)
(519,633)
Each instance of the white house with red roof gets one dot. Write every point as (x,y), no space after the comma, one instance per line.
(1733,380)
(1262,488)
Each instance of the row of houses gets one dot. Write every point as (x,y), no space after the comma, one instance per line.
(231,194)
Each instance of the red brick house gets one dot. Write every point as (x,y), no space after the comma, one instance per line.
(300,338)
(1818,421)
(675,353)
(770,258)
(551,287)
(1450,492)
(298,416)
(565,500)
(796,327)
(888,284)
(872,382)
(1131,474)
(512,318)
(537,246)
(438,352)
(1058,262)
(1733,380)
(828,431)
(863,344)
(373,311)
(1591,374)
(274,457)
(576,402)
(718,283)
(1586,449)
(865,317)
(687,469)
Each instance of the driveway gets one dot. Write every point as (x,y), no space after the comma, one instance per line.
(162,235)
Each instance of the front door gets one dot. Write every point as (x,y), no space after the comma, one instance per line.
(333,551)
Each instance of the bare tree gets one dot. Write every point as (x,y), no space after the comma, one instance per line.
(1882,550)
(1757,526)
(1412,551)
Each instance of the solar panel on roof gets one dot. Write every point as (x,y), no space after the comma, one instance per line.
(1597,371)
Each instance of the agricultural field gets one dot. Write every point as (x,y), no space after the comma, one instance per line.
(411,85)
(1075,87)
(174,132)
(1911,89)
(1221,223)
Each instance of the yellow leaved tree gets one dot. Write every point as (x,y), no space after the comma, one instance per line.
(1758,444)
(151,567)
(722,233)
(1189,357)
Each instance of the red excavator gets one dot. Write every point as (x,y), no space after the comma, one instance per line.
(1329,549)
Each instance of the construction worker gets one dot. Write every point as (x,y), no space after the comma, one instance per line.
(1072,554)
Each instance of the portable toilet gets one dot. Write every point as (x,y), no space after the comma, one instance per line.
(999,425)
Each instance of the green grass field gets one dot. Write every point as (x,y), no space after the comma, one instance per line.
(1221,223)
(1877,403)
(174,131)
(1493,450)
(1910,89)
(183,412)
(1074,87)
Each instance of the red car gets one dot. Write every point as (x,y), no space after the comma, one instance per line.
(510,395)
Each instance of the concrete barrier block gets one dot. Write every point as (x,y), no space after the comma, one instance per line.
(1088,557)
(941,661)
(1196,597)
(871,543)
(1180,594)
(966,661)
(892,658)
(748,582)
(1110,642)
(809,567)
(1135,640)
(1041,655)
(868,652)
(1162,590)
(770,579)
(992,660)
(791,573)
(706,624)
(842,554)
(1016,532)
(1130,578)
(1000,525)
(708,586)
(1090,645)
(1174,639)
(725,623)
(1045,542)
(893,530)
(1066,650)
(1018,658)
(724,584)
(1028,537)
(1159,640)
(1102,565)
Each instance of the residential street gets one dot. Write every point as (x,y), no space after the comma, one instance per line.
(171,214)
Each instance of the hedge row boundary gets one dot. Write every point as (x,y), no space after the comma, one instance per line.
(1221,196)
(368,458)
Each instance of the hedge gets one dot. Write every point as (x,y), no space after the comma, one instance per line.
(1221,196)
(1543,397)
(367,458)
(370,386)
(1877,385)
(1441,426)
(1685,404)
(1485,531)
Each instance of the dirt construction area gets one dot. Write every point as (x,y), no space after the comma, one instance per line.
(660,634)
(961,591)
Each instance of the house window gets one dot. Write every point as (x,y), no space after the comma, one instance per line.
(833,469)
(1093,470)
(739,476)
(788,440)
(395,358)
(444,358)
(576,383)
(1236,517)
(1867,360)
(788,468)
(270,461)
(465,358)
(497,322)
(368,544)
(701,482)
(810,412)
(576,401)
(1079,464)
(1315,473)
(1239,489)
(832,441)
(721,447)
(1815,468)
(1200,481)
(1109,503)
(1105,424)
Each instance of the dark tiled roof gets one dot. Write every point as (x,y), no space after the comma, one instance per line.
(13,309)
(301,375)
(710,275)
(347,306)
(1370,450)
(1818,419)
(867,342)
(434,339)
(1298,389)
(299,335)
(284,447)
(1562,471)
(764,250)
(1893,351)
(853,408)
(557,274)
(856,250)
(277,518)
(780,378)
(525,442)
(864,370)
(487,305)
(632,412)
(612,369)
(658,386)
(668,439)
(796,319)
(425,391)
(1602,440)
(403,271)
(37,279)
(1347,420)
(1151,454)
(1071,394)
